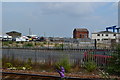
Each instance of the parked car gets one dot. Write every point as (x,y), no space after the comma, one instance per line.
(98,56)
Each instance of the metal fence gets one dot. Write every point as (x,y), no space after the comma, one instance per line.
(44,56)
(75,56)
(100,57)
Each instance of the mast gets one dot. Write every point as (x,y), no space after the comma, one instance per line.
(30,31)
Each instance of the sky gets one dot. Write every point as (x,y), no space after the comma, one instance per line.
(118,14)
(58,19)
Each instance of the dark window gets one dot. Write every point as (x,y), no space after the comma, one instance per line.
(105,39)
(98,34)
(106,34)
(114,35)
(80,35)
(102,34)
(98,39)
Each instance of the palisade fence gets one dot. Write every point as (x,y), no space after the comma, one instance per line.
(76,52)
(75,56)
(44,56)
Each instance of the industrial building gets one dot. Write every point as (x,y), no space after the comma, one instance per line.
(14,34)
(108,36)
(80,33)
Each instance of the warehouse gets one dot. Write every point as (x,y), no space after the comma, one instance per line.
(80,33)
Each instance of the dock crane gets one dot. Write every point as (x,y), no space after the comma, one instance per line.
(113,28)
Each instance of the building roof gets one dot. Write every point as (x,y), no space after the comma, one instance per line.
(13,32)
(106,32)
(81,29)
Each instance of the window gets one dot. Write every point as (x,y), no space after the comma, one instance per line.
(98,39)
(106,34)
(102,35)
(80,35)
(114,34)
(105,39)
(98,34)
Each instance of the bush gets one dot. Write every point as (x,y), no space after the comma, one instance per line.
(22,42)
(61,45)
(44,42)
(114,62)
(28,45)
(56,45)
(28,64)
(10,42)
(64,63)
(17,42)
(5,44)
(90,66)
(8,65)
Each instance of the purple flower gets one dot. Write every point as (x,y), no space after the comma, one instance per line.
(61,72)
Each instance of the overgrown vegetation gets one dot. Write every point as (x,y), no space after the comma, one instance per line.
(104,75)
(12,63)
(90,66)
(114,62)
(64,62)
(112,68)
(28,45)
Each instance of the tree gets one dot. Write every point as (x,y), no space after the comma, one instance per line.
(114,62)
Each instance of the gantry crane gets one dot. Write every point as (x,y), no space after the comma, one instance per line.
(113,28)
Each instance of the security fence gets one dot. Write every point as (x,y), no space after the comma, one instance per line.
(75,56)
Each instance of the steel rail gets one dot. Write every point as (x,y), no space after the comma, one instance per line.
(48,76)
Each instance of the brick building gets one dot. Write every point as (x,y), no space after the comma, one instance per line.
(80,33)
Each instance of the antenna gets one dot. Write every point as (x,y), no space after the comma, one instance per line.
(44,34)
(29,31)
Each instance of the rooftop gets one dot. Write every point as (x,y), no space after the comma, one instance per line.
(108,32)
(13,32)
(80,29)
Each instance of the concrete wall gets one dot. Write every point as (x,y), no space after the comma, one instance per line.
(103,37)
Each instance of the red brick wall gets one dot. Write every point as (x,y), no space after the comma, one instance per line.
(78,34)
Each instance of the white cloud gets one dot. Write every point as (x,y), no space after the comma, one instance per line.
(83,9)
(70,9)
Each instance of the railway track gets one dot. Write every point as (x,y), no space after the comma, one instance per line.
(29,76)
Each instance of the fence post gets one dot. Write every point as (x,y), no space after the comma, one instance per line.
(95,44)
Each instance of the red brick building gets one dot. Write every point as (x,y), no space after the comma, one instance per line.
(80,33)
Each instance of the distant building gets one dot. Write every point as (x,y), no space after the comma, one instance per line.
(6,38)
(106,37)
(56,39)
(14,34)
(79,33)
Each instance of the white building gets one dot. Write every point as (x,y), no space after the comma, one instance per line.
(23,38)
(6,38)
(106,37)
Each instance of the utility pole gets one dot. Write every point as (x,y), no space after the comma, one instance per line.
(44,34)
(29,31)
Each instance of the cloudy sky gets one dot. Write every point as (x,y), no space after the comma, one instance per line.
(58,19)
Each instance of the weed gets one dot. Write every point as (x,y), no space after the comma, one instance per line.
(65,63)
(90,66)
